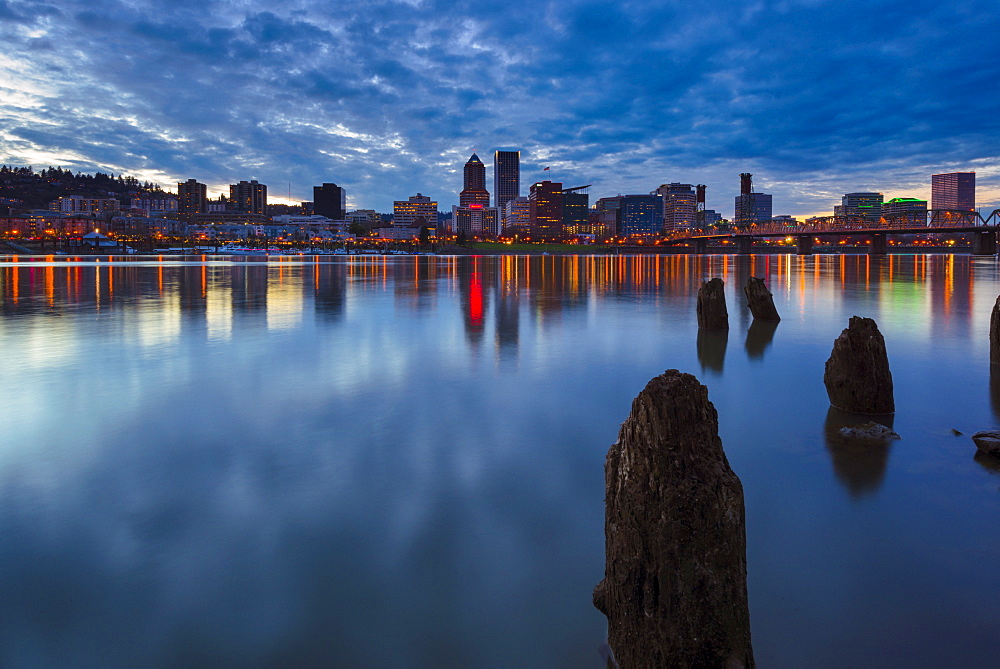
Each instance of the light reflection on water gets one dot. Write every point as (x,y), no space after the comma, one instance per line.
(398,461)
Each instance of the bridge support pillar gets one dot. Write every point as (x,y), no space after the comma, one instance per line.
(744,245)
(701,246)
(804,245)
(984,243)
(876,244)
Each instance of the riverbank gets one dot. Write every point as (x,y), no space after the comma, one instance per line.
(497,248)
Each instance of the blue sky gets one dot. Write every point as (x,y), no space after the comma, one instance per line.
(814,98)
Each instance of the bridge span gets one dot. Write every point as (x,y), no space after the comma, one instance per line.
(937,221)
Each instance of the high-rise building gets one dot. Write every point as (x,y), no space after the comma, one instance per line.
(868,205)
(545,198)
(474,184)
(330,200)
(603,223)
(679,206)
(506,177)
(575,210)
(249,196)
(752,208)
(192,197)
(640,215)
(476,220)
(955,191)
(517,215)
(406,212)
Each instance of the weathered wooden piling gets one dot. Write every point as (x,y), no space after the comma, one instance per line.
(857,375)
(674,589)
(760,300)
(712,312)
(995,334)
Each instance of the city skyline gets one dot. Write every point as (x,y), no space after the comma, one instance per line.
(223,92)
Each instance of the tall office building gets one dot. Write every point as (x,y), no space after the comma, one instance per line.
(545,198)
(955,190)
(476,220)
(517,215)
(506,177)
(752,208)
(249,197)
(474,184)
(330,200)
(679,206)
(576,210)
(406,212)
(192,197)
(640,215)
(868,205)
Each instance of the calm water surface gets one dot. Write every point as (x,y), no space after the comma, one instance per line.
(399,462)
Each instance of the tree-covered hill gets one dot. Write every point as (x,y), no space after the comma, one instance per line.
(23,188)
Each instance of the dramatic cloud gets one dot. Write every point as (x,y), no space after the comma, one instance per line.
(387,98)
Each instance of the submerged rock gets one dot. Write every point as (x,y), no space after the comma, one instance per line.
(870,432)
(857,375)
(760,300)
(995,334)
(712,312)
(858,465)
(988,441)
(674,589)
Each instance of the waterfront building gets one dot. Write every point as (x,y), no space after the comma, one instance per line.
(868,205)
(406,212)
(369,218)
(229,217)
(156,205)
(640,215)
(955,191)
(506,178)
(192,197)
(545,199)
(474,184)
(329,200)
(476,220)
(908,207)
(603,223)
(575,210)
(399,233)
(78,204)
(758,208)
(49,222)
(679,206)
(249,197)
(712,218)
(517,215)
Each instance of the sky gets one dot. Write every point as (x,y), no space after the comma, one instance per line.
(388,99)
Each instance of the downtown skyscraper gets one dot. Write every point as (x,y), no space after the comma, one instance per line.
(506,177)
(474,184)
(330,200)
(955,190)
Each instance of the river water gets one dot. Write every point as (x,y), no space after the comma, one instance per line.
(398,462)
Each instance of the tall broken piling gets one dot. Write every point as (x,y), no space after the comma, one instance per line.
(857,375)
(674,588)
(760,300)
(712,312)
